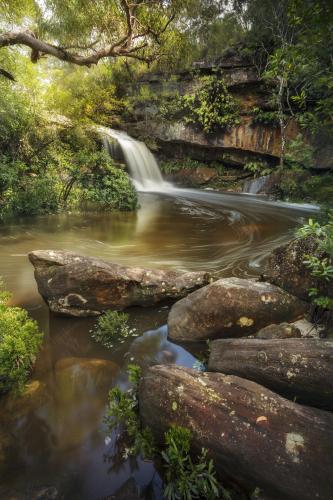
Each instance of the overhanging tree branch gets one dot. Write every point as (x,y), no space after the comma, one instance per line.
(39,47)
(133,42)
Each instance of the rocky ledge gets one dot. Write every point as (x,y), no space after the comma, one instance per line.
(84,286)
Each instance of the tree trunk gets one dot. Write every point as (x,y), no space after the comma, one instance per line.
(254,436)
(301,369)
(282,84)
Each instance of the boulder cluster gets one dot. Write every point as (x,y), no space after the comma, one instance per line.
(264,406)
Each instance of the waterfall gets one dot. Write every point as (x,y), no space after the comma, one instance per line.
(255,186)
(141,163)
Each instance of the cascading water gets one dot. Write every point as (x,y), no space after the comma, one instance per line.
(141,163)
(255,186)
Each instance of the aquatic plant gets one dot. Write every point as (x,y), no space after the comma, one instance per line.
(20,341)
(110,325)
(185,479)
(123,412)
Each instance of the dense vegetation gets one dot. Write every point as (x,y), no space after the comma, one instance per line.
(20,341)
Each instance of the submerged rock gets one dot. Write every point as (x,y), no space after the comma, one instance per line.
(256,438)
(300,369)
(231,307)
(84,286)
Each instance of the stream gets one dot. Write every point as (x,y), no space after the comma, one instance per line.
(56,437)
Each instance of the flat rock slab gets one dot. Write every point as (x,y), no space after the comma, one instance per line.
(300,369)
(231,307)
(255,437)
(84,286)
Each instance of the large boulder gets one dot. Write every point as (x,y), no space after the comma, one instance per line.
(286,269)
(84,286)
(301,369)
(255,437)
(231,307)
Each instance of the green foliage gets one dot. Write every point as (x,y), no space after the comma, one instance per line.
(123,412)
(68,172)
(257,168)
(321,266)
(261,117)
(104,186)
(184,478)
(299,153)
(109,326)
(221,33)
(174,165)
(212,107)
(291,184)
(20,341)
(318,188)
(323,234)
(86,95)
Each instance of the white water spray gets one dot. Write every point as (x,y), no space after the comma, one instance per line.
(254,186)
(141,163)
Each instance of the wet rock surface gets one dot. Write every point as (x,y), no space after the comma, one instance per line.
(234,418)
(231,307)
(194,176)
(84,286)
(300,369)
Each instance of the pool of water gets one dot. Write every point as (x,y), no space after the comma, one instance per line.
(55,437)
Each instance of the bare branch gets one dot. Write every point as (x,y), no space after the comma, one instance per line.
(6,74)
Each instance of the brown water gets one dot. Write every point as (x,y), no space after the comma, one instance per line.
(54,435)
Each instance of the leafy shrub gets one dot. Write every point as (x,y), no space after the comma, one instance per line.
(40,195)
(110,325)
(105,186)
(257,168)
(171,166)
(320,265)
(20,340)
(299,153)
(319,188)
(211,107)
(185,479)
(261,117)
(123,411)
